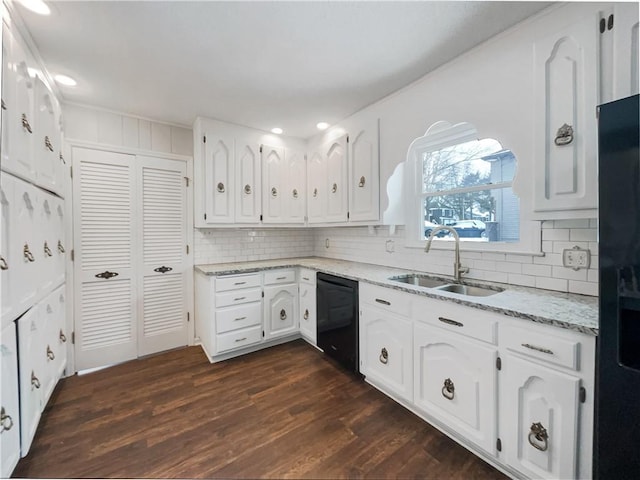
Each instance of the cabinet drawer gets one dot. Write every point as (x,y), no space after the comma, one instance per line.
(386,299)
(238,297)
(538,343)
(242,316)
(275,277)
(469,321)
(239,338)
(307,276)
(234,282)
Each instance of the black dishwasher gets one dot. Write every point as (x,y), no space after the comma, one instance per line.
(337,314)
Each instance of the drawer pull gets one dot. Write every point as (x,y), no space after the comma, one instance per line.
(384,302)
(106,275)
(239,318)
(538,437)
(241,339)
(537,349)
(50,354)
(281,278)
(34,380)
(384,356)
(305,278)
(306,314)
(449,389)
(6,422)
(238,299)
(448,321)
(283,314)
(162,269)
(240,283)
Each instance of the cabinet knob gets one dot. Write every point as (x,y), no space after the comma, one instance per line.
(3,264)
(448,390)
(63,337)
(362,182)
(27,253)
(564,135)
(334,188)
(274,192)
(50,354)
(247,189)
(384,356)
(25,123)
(538,437)
(47,250)
(283,314)
(220,187)
(6,422)
(34,380)
(60,247)
(47,143)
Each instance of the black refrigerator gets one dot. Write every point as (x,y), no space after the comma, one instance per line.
(617,401)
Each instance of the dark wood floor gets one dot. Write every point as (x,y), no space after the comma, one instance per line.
(284,412)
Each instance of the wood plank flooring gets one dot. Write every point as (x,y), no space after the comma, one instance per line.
(284,412)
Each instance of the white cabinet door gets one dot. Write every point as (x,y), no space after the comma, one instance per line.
(280,309)
(386,351)
(163,265)
(248,182)
(316,187)
(296,192)
(58,247)
(57,333)
(274,200)
(45,148)
(364,174)
(32,371)
(104,240)
(335,156)
(626,53)
(308,324)
(539,419)
(566,95)
(9,401)
(47,346)
(46,248)
(455,382)
(219,188)
(10,254)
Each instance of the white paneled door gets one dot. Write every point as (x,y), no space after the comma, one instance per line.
(130,241)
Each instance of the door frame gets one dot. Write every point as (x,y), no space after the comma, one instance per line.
(70,316)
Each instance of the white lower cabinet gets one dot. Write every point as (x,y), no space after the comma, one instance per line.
(385,351)
(455,383)
(280,302)
(307,306)
(9,401)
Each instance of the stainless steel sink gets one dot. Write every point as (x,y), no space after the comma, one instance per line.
(469,290)
(419,280)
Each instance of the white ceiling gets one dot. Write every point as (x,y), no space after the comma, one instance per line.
(260,64)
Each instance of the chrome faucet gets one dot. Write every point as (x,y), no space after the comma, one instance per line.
(458,269)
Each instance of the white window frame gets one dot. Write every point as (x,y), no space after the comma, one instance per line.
(439,135)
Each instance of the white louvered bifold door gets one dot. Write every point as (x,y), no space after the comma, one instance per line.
(104,243)
(162,263)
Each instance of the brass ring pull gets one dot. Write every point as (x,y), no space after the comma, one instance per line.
(295,193)
(50,354)
(6,422)
(27,253)
(539,434)
(384,356)
(162,269)
(107,274)
(47,144)
(334,189)
(47,250)
(25,123)
(220,187)
(3,264)
(274,192)
(449,389)
(564,135)
(362,182)
(60,247)
(247,189)
(62,159)
(34,380)
(315,192)
(283,314)
(63,337)
(306,314)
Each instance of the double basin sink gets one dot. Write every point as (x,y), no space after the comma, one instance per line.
(445,286)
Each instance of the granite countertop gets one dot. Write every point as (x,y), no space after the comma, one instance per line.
(564,310)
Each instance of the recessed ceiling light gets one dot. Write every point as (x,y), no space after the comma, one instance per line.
(322,125)
(276,130)
(37,6)
(65,80)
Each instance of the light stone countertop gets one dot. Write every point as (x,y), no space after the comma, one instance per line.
(564,310)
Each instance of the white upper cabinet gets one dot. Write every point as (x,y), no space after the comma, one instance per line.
(316,187)
(284,178)
(295,185)
(248,188)
(219,179)
(46,147)
(621,46)
(335,154)
(566,94)
(364,174)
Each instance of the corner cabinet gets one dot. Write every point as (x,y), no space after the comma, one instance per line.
(364,173)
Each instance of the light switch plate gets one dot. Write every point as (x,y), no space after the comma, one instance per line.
(576,258)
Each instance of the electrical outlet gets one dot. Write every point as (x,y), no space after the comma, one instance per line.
(576,258)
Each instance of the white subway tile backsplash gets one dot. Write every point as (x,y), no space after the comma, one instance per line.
(583,288)
(569,273)
(537,270)
(576,223)
(509,267)
(523,280)
(552,284)
(583,234)
(555,234)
